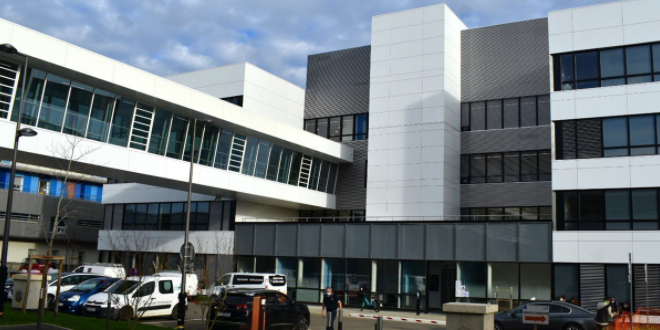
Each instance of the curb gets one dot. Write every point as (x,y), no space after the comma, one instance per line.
(400,319)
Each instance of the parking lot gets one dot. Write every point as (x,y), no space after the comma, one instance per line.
(194,320)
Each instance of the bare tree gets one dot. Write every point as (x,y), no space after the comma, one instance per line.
(69,154)
(139,250)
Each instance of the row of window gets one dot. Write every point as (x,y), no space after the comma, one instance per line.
(608,137)
(517,166)
(8,73)
(506,213)
(607,67)
(332,216)
(342,128)
(62,105)
(168,216)
(617,209)
(507,113)
(46,185)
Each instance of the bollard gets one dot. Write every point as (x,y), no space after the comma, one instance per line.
(379,325)
(341,320)
(419,303)
(107,314)
(328,323)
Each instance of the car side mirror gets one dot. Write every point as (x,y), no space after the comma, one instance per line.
(512,314)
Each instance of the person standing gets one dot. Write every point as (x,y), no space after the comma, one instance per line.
(603,315)
(331,304)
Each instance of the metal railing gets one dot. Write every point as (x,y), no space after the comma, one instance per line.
(448,218)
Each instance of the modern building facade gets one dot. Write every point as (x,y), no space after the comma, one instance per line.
(516,160)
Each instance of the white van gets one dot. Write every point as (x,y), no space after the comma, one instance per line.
(107,270)
(145,296)
(250,281)
(192,282)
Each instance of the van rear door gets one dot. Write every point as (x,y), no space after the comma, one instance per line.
(248,281)
(278,282)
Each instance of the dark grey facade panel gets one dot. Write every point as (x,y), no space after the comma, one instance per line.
(351,191)
(334,238)
(310,240)
(412,241)
(244,239)
(384,241)
(509,242)
(513,139)
(440,242)
(338,83)
(535,242)
(507,60)
(265,236)
(287,240)
(107,215)
(117,216)
(471,242)
(506,194)
(215,219)
(502,242)
(358,241)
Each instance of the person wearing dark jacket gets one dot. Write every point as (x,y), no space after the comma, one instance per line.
(603,315)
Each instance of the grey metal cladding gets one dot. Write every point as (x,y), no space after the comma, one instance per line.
(412,241)
(535,241)
(334,236)
(502,242)
(502,140)
(471,242)
(338,83)
(440,242)
(384,241)
(506,194)
(244,239)
(507,60)
(309,243)
(351,192)
(287,240)
(358,243)
(265,236)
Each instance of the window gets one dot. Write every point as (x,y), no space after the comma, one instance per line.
(519,166)
(236,100)
(262,159)
(334,133)
(146,289)
(165,287)
(250,155)
(607,67)
(53,104)
(608,137)
(345,128)
(616,209)
(494,117)
(8,73)
(199,131)
(477,116)
(121,122)
(507,213)
(99,120)
(273,163)
(18,183)
(223,150)
(35,86)
(567,281)
(507,113)
(77,113)
(44,187)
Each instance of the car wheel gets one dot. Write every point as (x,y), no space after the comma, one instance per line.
(125,314)
(302,324)
(498,326)
(377,307)
(175,312)
(573,327)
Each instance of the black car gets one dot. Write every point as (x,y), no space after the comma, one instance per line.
(563,316)
(233,310)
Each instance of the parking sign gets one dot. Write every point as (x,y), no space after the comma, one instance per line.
(536,314)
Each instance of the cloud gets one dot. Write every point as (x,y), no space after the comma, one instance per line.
(173,36)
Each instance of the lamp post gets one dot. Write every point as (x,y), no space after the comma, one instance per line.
(181,315)
(27,132)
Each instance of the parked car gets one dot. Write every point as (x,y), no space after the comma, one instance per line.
(67,283)
(233,310)
(72,301)
(249,281)
(38,265)
(9,289)
(109,270)
(563,316)
(149,295)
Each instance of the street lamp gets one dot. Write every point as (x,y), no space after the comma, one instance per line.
(27,132)
(182,295)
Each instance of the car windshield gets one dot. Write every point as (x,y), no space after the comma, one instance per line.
(88,285)
(123,287)
(10,281)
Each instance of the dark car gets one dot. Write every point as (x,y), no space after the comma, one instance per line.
(233,310)
(9,289)
(563,316)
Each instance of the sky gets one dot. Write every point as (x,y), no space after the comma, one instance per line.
(168,37)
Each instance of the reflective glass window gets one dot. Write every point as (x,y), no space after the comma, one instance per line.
(273,163)
(334,271)
(528,166)
(592,205)
(645,204)
(528,111)
(296,162)
(586,66)
(152,217)
(199,130)
(165,216)
(656,58)
(477,116)
(642,133)
(611,63)
(361,127)
(639,79)
(129,216)
(617,282)
(613,82)
(35,86)
(615,132)
(99,120)
(494,114)
(250,155)
(310,125)
(617,205)
(140,217)
(638,59)
(177,136)
(209,142)
(473,276)
(224,147)
(511,113)
(322,127)
(160,131)
(314,173)
(311,273)
(323,176)
(494,170)
(77,113)
(545,165)
(347,128)
(503,282)
(288,266)
(543,110)
(567,69)
(121,121)
(478,168)
(332,178)
(202,216)
(335,129)
(178,216)
(358,275)
(567,281)
(262,159)
(413,277)
(54,102)
(535,281)
(284,166)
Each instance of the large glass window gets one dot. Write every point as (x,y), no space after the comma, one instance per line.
(387,281)
(334,272)
(413,280)
(612,68)
(77,113)
(285,165)
(473,277)
(567,281)
(121,122)
(507,113)
(314,174)
(347,128)
(645,204)
(617,283)
(177,137)
(334,132)
(224,147)
(199,130)
(478,116)
(323,176)
(511,113)
(159,132)
(262,159)
(296,163)
(523,166)
(322,127)
(494,168)
(535,281)
(209,142)
(310,269)
(250,155)
(642,135)
(54,102)
(568,72)
(289,267)
(361,127)
(99,120)
(35,86)
(638,60)
(332,177)
(273,162)
(494,114)
(528,113)
(503,281)
(615,137)
(8,74)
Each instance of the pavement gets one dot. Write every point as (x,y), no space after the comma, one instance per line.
(351,320)
(31,327)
